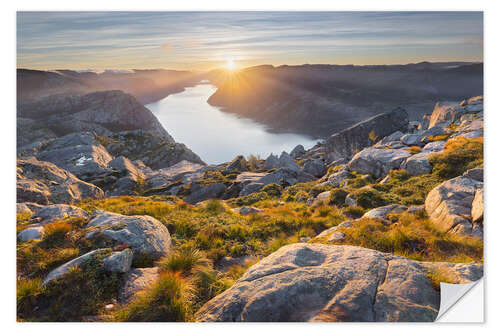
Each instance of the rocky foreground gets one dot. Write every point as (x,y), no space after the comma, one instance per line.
(372,216)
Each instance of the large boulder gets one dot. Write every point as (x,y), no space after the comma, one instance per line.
(344,144)
(213,191)
(239,163)
(450,204)
(144,234)
(34,232)
(271,162)
(315,167)
(298,151)
(377,162)
(45,183)
(119,261)
(286,161)
(418,164)
(137,280)
(52,213)
(477,207)
(382,212)
(79,153)
(445,113)
(317,282)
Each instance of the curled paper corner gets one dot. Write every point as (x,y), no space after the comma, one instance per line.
(462,302)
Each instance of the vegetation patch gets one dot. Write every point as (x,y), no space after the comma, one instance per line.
(459,155)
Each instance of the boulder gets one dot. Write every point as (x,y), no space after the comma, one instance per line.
(35,232)
(350,201)
(332,234)
(286,161)
(418,164)
(238,164)
(396,136)
(449,205)
(213,191)
(315,167)
(317,282)
(250,188)
(377,162)
(250,177)
(416,209)
(412,139)
(119,261)
(436,146)
(477,207)
(52,213)
(248,210)
(44,183)
(445,113)
(125,167)
(271,162)
(382,212)
(337,178)
(79,153)
(143,234)
(137,280)
(286,177)
(298,151)
(65,268)
(359,136)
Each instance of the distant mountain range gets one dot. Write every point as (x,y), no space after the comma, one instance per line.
(321,99)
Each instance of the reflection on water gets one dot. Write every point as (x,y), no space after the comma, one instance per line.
(214,135)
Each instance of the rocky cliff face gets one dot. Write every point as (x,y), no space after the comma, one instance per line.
(116,119)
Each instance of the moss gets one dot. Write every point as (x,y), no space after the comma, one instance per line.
(273,190)
(369,197)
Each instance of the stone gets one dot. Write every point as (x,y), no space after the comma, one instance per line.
(30,233)
(249,177)
(45,183)
(355,138)
(412,139)
(337,178)
(436,146)
(137,280)
(315,167)
(286,177)
(477,207)
(119,261)
(143,234)
(332,234)
(212,191)
(239,163)
(65,268)
(350,201)
(56,212)
(416,209)
(286,161)
(22,208)
(445,113)
(251,188)
(124,166)
(271,162)
(318,282)
(248,210)
(396,136)
(382,212)
(298,151)
(377,162)
(418,164)
(449,205)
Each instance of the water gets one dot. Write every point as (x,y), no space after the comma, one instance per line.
(216,136)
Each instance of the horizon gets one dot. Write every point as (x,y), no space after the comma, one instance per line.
(202,41)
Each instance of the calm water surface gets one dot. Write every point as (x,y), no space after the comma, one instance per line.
(217,136)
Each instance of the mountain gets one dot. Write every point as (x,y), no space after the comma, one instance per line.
(320,99)
(145,85)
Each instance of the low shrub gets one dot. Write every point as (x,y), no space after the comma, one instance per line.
(272,190)
(369,197)
(337,197)
(184,260)
(414,150)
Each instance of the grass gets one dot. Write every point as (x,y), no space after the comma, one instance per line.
(414,150)
(459,155)
(441,274)
(414,237)
(168,299)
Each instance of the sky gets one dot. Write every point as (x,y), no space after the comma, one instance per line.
(206,40)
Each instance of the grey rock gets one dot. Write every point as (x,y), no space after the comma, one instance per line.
(144,234)
(251,188)
(250,177)
(124,166)
(286,177)
(317,282)
(248,210)
(436,146)
(119,261)
(332,233)
(286,161)
(377,162)
(418,164)
(137,280)
(52,213)
(416,209)
(213,191)
(382,212)
(449,206)
(350,201)
(357,137)
(298,151)
(30,233)
(45,183)
(65,268)
(271,162)
(477,207)
(239,163)
(445,113)
(412,139)
(476,174)
(396,136)
(315,167)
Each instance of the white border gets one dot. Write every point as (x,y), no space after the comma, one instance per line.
(491,58)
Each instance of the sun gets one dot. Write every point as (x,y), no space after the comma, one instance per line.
(230,65)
